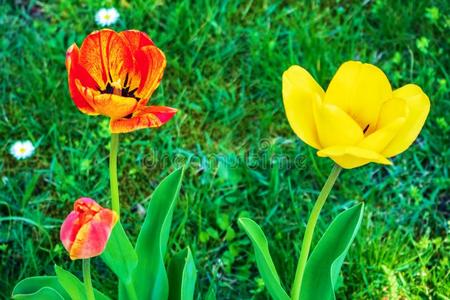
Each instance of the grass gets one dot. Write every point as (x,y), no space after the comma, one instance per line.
(225,61)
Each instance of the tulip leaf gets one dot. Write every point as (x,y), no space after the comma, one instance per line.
(45,293)
(263,259)
(119,254)
(73,286)
(150,276)
(323,266)
(70,283)
(182,276)
(39,287)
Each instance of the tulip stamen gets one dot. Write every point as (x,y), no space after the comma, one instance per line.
(116,88)
(126,80)
(108,89)
(365,129)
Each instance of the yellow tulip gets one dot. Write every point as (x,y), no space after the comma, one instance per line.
(359,119)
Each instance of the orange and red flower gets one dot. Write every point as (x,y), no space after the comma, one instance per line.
(87,228)
(114,74)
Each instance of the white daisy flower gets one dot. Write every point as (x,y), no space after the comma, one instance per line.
(106,16)
(22,150)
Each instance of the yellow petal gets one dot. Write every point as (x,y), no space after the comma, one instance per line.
(359,90)
(392,110)
(418,108)
(378,140)
(335,127)
(349,157)
(299,92)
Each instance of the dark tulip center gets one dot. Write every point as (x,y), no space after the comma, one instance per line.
(114,87)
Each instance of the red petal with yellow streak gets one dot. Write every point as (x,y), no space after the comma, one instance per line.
(86,230)
(152,63)
(74,72)
(93,236)
(69,230)
(147,117)
(106,55)
(136,39)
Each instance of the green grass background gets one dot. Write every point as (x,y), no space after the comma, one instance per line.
(225,60)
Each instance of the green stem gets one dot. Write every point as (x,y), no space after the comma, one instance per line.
(115,196)
(87,279)
(309,232)
(113,173)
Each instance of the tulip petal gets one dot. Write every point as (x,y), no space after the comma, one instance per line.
(392,110)
(107,57)
(114,106)
(378,140)
(359,90)
(349,157)
(148,117)
(152,63)
(93,236)
(69,230)
(111,105)
(300,90)
(76,72)
(392,117)
(85,203)
(418,106)
(137,39)
(335,127)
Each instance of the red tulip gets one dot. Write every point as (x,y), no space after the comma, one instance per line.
(114,74)
(87,228)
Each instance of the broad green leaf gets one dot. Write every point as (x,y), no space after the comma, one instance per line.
(323,266)
(182,276)
(119,254)
(70,283)
(73,286)
(46,287)
(45,293)
(150,277)
(263,259)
